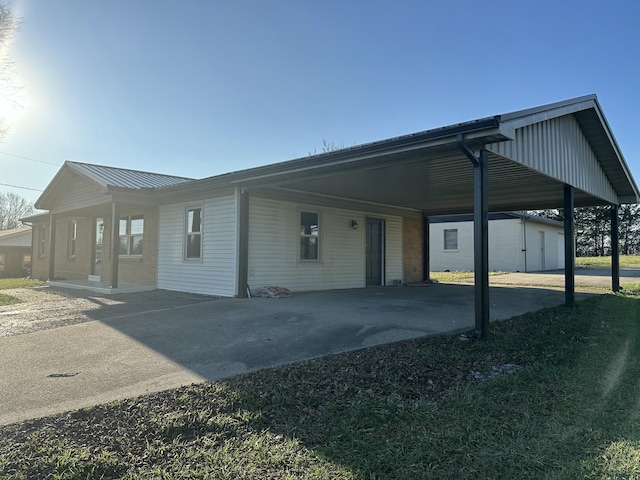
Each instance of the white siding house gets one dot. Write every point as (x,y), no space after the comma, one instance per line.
(214,273)
(348,218)
(517,243)
(274,247)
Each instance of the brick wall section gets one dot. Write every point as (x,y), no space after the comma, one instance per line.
(39,265)
(139,270)
(412,250)
(76,267)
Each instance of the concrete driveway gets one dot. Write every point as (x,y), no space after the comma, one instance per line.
(114,354)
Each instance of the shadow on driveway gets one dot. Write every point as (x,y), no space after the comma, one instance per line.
(144,343)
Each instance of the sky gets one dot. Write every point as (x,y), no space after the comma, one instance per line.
(197,88)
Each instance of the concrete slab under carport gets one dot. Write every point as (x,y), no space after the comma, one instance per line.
(122,355)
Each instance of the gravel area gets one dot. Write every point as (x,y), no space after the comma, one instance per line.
(44,308)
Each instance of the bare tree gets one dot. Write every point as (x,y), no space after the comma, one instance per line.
(13,207)
(9,85)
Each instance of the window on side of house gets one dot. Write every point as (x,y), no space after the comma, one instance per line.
(42,238)
(1,262)
(451,239)
(26,261)
(73,237)
(131,235)
(309,236)
(193,233)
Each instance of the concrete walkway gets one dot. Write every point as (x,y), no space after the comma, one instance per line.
(111,358)
(584,277)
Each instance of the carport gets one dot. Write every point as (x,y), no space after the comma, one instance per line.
(562,155)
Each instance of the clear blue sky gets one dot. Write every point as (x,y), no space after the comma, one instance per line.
(201,87)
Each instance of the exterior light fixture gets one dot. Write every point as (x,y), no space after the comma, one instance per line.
(354,224)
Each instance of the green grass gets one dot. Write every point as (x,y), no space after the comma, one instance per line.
(427,408)
(456,275)
(8,300)
(9,283)
(605,262)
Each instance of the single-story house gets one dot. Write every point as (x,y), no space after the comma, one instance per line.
(350,218)
(15,252)
(518,242)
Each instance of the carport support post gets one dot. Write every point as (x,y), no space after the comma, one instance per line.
(426,267)
(115,244)
(481,242)
(615,250)
(52,246)
(569,248)
(243,244)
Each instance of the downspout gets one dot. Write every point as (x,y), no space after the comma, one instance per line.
(524,226)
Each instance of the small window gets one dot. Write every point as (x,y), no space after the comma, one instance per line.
(26,261)
(309,236)
(42,238)
(193,234)
(131,235)
(451,239)
(73,237)
(1,262)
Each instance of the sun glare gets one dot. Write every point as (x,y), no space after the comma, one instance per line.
(13,102)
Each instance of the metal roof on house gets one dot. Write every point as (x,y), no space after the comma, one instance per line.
(532,155)
(124,178)
(14,231)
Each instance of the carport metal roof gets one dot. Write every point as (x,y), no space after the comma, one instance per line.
(533,153)
(559,155)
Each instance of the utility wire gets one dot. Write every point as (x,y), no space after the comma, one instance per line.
(30,159)
(24,188)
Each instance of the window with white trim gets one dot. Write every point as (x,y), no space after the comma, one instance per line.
(309,236)
(42,238)
(73,237)
(451,239)
(193,234)
(131,235)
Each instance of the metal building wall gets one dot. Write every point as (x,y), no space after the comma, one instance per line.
(558,148)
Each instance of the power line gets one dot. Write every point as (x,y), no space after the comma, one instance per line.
(24,188)
(30,159)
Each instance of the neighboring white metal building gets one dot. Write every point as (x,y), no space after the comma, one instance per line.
(517,243)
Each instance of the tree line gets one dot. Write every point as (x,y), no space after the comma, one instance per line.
(593,229)
(13,207)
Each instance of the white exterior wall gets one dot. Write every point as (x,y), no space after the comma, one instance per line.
(506,244)
(553,248)
(274,239)
(215,272)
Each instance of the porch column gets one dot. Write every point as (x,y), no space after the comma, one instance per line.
(52,246)
(426,267)
(243,244)
(480,235)
(481,242)
(569,248)
(615,250)
(115,244)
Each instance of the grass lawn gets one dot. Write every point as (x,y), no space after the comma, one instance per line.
(456,275)
(9,283)
(552,394)
(605,262)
